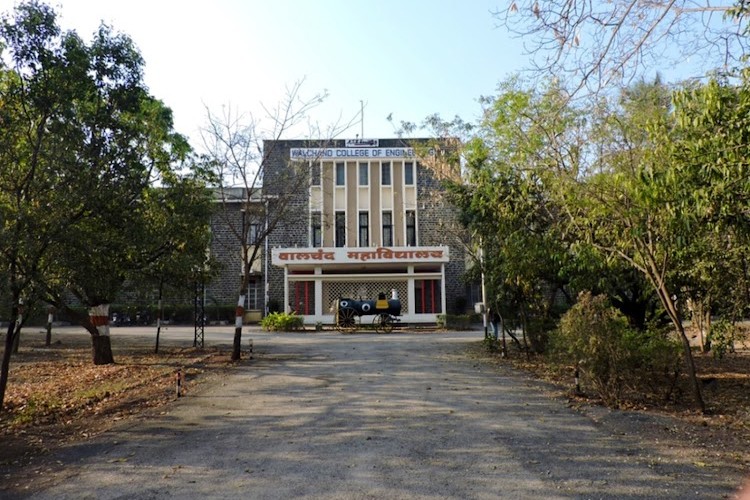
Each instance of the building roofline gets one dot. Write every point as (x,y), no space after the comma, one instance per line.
(237,194)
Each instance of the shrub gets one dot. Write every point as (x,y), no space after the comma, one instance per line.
(282,322)
(538,331)
(441,321)
(460,303)
(721,338)
(612,356)
(454,321)
(183,313)
(223,312)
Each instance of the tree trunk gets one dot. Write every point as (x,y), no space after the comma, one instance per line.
(48,337)
(239,313)
(705,328)
(701,316)
(697,321)
(101,346)
(101,350)
(5,370)
(16,337)
(656,277)
(523,332)
(690,363)
(50,319)
(674,315)
(158,316)
(691,369)
(502,331)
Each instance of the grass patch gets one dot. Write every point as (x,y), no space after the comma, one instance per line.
(101,390)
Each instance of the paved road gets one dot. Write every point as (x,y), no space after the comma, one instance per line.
(368,416)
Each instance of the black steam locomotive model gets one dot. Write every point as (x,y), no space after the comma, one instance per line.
(386,312)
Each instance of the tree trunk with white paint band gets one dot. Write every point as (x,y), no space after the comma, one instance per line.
(48,336)
(239,313)
(100,344)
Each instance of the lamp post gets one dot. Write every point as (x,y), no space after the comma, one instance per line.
(484,289)
(265,258)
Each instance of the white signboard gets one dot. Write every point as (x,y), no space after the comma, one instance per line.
(351,153)
(358,255)
(362,143)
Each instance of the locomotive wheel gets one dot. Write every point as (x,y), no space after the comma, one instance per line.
(383,323)
(346,321)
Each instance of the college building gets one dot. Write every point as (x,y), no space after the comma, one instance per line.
(362,217)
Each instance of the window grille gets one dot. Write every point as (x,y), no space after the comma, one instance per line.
(359,290)
(340,229)
(364,229)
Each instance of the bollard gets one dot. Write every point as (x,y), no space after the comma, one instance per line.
(251,348)
(178,381)
(578,384)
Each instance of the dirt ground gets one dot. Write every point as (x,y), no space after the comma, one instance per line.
(57,396)
(720,436)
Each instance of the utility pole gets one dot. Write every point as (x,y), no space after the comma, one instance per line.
(484,289)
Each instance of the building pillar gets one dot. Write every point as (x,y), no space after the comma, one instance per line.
(411,296)
(443,298)
(318,293)
(286,290)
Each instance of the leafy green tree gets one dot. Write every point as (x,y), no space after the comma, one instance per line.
(708,152)
(28,227)
(626,289)
(506,203)
(617,139)
(82,144)
(176,238)
(669,193)
(619,208)
(556,196)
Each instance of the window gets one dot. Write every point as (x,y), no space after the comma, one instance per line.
(427,297)
(316,232)
(409,173)
(364,170)
(340,229)
(385,174)
(364,229)
(253,295)
(387,229)
(411,228)
(253,234)
(302,297)
(315,174)
(254,239)
(340,174)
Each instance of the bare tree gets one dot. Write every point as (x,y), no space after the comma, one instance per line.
(239,150)
(596,44)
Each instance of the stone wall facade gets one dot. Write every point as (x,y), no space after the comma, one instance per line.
(289,183)
(438,225)
(433,216)
(286,191)
(223,288)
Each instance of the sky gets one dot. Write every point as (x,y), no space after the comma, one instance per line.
(407,58)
